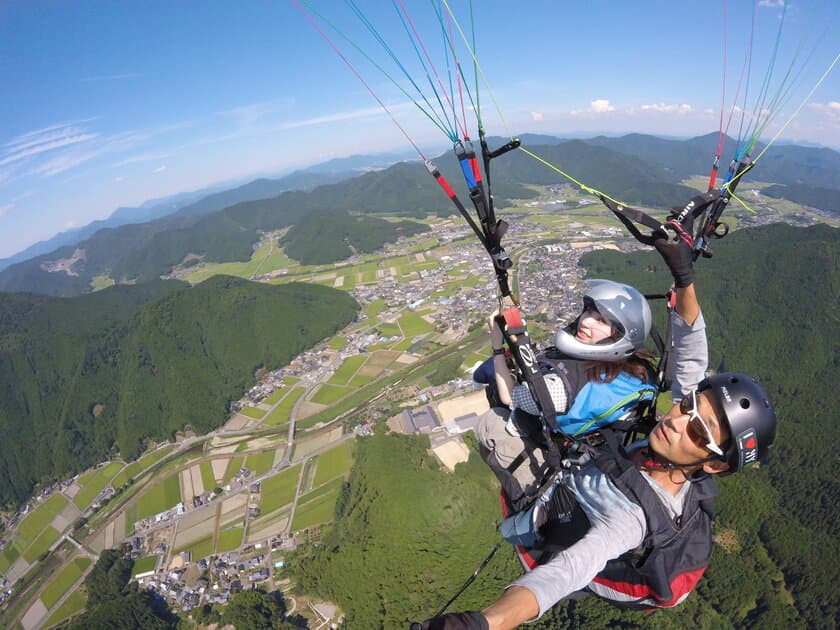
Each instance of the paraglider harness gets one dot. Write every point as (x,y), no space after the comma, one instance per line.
(708,207)
(563,520)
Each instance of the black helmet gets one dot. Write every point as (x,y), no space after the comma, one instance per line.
(748,412)
(624,308)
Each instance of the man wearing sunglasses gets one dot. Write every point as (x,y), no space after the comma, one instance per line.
(649,508)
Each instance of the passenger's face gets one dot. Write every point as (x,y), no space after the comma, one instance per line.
(680,441)
(592,328)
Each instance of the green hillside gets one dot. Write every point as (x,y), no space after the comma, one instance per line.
(637,169)
(321,238)
(407,536)
(407,533)
(87,376)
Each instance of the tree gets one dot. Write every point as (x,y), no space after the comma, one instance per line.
(256,610)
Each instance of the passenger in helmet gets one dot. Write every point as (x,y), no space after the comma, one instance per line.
(598,372)
(648,508)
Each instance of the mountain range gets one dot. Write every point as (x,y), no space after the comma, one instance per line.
(636,168)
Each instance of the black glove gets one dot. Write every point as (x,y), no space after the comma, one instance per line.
(454,621)
(679,257)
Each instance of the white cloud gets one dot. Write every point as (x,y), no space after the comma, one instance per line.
(340,116)
(668,109)
(30,145)
(773,4)
(117,180)
(537,116)
(830,109)
(5,208)
(147,157)
(160,169)
(601,105)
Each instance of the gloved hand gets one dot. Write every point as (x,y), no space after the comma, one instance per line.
(471,620)
(678,256)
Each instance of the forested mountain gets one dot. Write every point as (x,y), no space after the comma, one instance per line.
(325,237)
(827,199)
(86,377)
(637,169)
(408,534)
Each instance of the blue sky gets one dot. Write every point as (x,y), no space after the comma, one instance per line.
(109,104)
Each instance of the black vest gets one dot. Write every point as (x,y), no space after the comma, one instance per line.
(674,553)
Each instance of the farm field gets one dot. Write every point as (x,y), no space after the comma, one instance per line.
(282,412)
(319,510)
(229,539)
(328,394)
(333,463)
(252,412)
(63,581)
(233,467)
(74,604)
(207,476)
(37,520)
(41,544)
(200,549)
(260,463)
(161,497)
(279,490)
(141,565)
(348,368)
(93,483)
(135,468)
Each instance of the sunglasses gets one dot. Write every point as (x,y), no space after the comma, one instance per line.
(698,430)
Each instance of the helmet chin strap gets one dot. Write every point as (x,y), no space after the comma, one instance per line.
(653,461)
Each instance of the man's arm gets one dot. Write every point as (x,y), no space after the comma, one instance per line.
(516,606)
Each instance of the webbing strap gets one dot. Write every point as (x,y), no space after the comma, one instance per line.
(522,349)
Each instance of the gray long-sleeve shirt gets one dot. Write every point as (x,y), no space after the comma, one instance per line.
(618,524)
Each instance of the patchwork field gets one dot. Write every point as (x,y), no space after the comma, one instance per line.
(64,580)
(333,463)
(348,368)
(73,605)
(38,519)
(135,468)
(283,411)
(252,412)
(260,463)
(94,482)
(279,490)
(161,497)
(229,539)
(318,509)
(268,526)
(328,394)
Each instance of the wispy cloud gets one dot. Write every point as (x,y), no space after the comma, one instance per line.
(537,116)
(135,159)
(339,117)
(773,4)
(5,208)
(160,169)
(42,141)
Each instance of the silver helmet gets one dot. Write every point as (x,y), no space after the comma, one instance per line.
(624,308)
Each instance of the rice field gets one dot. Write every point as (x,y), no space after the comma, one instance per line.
(260,463)
(252,412)
(161,497)
(38,519)
(93,483)
(317,511)
(333,463)
(64,580)
(328,394)
(142,565)
(283,411)
(348,368)
(229,539)
(279,490)
(73,605)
